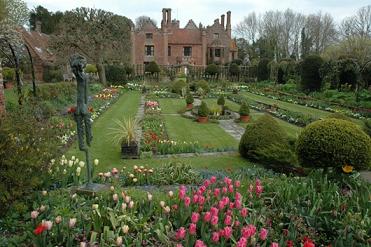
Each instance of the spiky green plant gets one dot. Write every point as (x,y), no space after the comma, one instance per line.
(124,131)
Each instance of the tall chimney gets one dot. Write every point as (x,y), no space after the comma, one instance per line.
(38,26)
(163,22)
(169,16)
(222,20)
(229,27)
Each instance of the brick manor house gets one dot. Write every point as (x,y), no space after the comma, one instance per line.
(172,45)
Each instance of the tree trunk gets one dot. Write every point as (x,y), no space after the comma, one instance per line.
(101,72)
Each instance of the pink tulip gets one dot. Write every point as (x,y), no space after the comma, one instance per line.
(207,217)
(114,171)
(195,217)
(244,212)
(216,192)
(248,231)
(237,223)
(214,211)
(224,190)
(187,201)
(231,205)
(238,204)
(215,237)
(206,183)
(192,229)
(230,188)
(180,234)
(227,232)
(228,220)
(227,180)
(238,196)
(201,200)
(213,179)
(179,245)
(199,243)
(242,242)
(226,200)
(195,199)
(182,194)
(214,220)
(274,244)
(263,234)
(259,189)
(202,189)
(221,205)
(237,183)
(229,212)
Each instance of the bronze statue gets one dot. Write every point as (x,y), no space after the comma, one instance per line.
(82,114)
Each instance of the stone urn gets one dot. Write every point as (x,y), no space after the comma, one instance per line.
(245,118)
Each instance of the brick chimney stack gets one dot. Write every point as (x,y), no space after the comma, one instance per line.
(229,27)
(168,16)
(222,20)
(38,26)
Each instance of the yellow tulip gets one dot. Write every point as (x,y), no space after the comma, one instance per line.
(348,168)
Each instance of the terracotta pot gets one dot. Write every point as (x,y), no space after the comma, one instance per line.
(189,106)
(202,119)
(8,85)
(244,119)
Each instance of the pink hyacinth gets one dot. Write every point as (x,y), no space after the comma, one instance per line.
(214,220)
(216,192)
(187,201)
(192,229)
(213,179)
(227,232)
(228,220)
(263,234)
(195,217)
(207,217)
(274,244)
(244,212)
(215,237)
(242,242)
(199,243)
(180,234)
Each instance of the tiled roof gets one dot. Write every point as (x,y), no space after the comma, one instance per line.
(38,42)
(185,36)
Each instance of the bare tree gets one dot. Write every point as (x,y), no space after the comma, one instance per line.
(143,20)
(248,28)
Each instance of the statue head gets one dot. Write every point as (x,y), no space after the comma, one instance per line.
(77,63)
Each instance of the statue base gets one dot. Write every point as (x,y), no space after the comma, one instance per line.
(91,188)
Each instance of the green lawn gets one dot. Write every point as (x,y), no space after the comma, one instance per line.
(288,106)
(209,134)
(171,106)
(233,161)
(232,105)
(102,146)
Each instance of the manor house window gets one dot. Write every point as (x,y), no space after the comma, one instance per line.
(216,35)
(217,52)
(149,50)
(149,35)
(187,51)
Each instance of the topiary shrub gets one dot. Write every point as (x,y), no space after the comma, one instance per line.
(115,74)
(234,69)
(349,72)
(152,68)
(339,115)
(203,110)
(310,73)
(244,109)
(333,143)
(221,100)
(212,69)
(261,135)
(263,69)
(204,85)
(367,126)
(91,69)
(179,86)
(189,99)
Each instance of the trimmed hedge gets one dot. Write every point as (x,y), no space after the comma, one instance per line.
(333,143)
(221,100)
(234,69)
(310,73)
(179,86)
(115,74)
(152,68)
(212,69)
(263,69)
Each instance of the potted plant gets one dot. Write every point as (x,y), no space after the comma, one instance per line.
(189,101)
(244,112)
(203,113)
(221,103)
(124,133)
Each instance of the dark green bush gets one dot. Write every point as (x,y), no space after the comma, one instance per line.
(91,68)
(333,143)
(8,74)
(203,110)
(178,86)
(234,69)
(310,73)
(276,155)
(263,69)
(52,74)
(189,99)
(261,135)
(204,85)
(349,72)
(115,74)
(338,115)
(244,109)
(152,68)
(26,147)
(367,126)
(212,69)
(221,100)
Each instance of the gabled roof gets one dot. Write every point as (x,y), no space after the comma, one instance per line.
(191,25)
(38,42)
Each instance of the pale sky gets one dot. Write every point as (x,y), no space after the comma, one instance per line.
(206,11)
